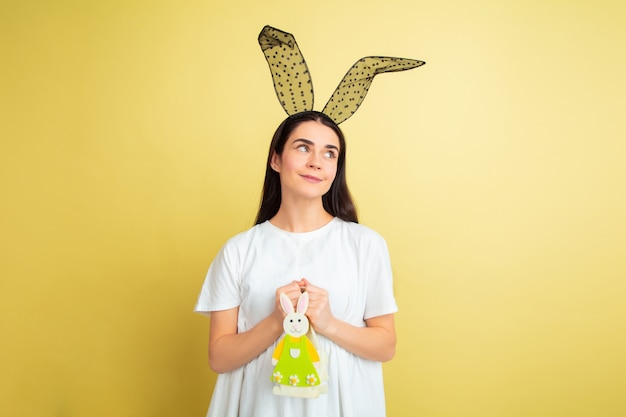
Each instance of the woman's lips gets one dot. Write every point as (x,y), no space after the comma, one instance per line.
(311,178)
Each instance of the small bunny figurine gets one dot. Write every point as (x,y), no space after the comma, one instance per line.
(295,359)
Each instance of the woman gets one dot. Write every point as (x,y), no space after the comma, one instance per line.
(306,237)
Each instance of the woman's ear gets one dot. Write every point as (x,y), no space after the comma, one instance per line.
(275,162)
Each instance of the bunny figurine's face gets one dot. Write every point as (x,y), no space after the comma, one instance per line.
(295,324)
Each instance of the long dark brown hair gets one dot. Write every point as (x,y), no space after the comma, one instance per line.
(337,201)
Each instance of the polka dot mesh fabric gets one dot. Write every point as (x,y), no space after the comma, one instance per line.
(294,86)
(292,80)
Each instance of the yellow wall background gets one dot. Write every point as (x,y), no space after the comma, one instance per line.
(133,138)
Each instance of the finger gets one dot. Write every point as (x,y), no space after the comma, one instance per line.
(312,288)
(294,285)
(316,293)
(290,289)
(302,284)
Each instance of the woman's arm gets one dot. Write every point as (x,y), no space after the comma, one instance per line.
(229,350)
(376,341)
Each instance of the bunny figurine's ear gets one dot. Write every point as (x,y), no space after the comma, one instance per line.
(352,89)
(286,304)
(303,303)
(292,80)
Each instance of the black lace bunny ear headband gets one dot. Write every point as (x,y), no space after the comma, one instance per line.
(293,84)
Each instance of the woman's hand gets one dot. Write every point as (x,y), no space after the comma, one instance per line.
(319,313)
(291,290)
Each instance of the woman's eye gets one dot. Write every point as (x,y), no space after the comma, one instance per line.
(303,148)
(330,154)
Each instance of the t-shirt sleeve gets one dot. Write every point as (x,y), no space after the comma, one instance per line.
(380,297)
(220,290)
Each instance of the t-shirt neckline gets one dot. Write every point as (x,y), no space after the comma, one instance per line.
(311,233)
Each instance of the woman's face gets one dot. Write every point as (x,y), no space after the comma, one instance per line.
(308,164)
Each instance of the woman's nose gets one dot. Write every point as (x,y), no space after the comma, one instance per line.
(314,161)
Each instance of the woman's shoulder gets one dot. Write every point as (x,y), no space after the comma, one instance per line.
(243,238)
(359,230)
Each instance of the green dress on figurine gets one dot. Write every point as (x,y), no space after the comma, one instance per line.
(295,358)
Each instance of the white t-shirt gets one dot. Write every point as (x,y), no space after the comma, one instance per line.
(348,260)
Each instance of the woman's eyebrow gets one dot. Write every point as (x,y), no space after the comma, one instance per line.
(311,143)
(308,142)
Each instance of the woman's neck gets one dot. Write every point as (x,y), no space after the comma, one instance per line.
(301,218)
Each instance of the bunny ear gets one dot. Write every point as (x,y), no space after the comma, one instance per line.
(292,80)
(303,303)
(285,303)
(352,89)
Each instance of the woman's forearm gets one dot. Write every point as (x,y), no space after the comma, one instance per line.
(376,341)
(230,350)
